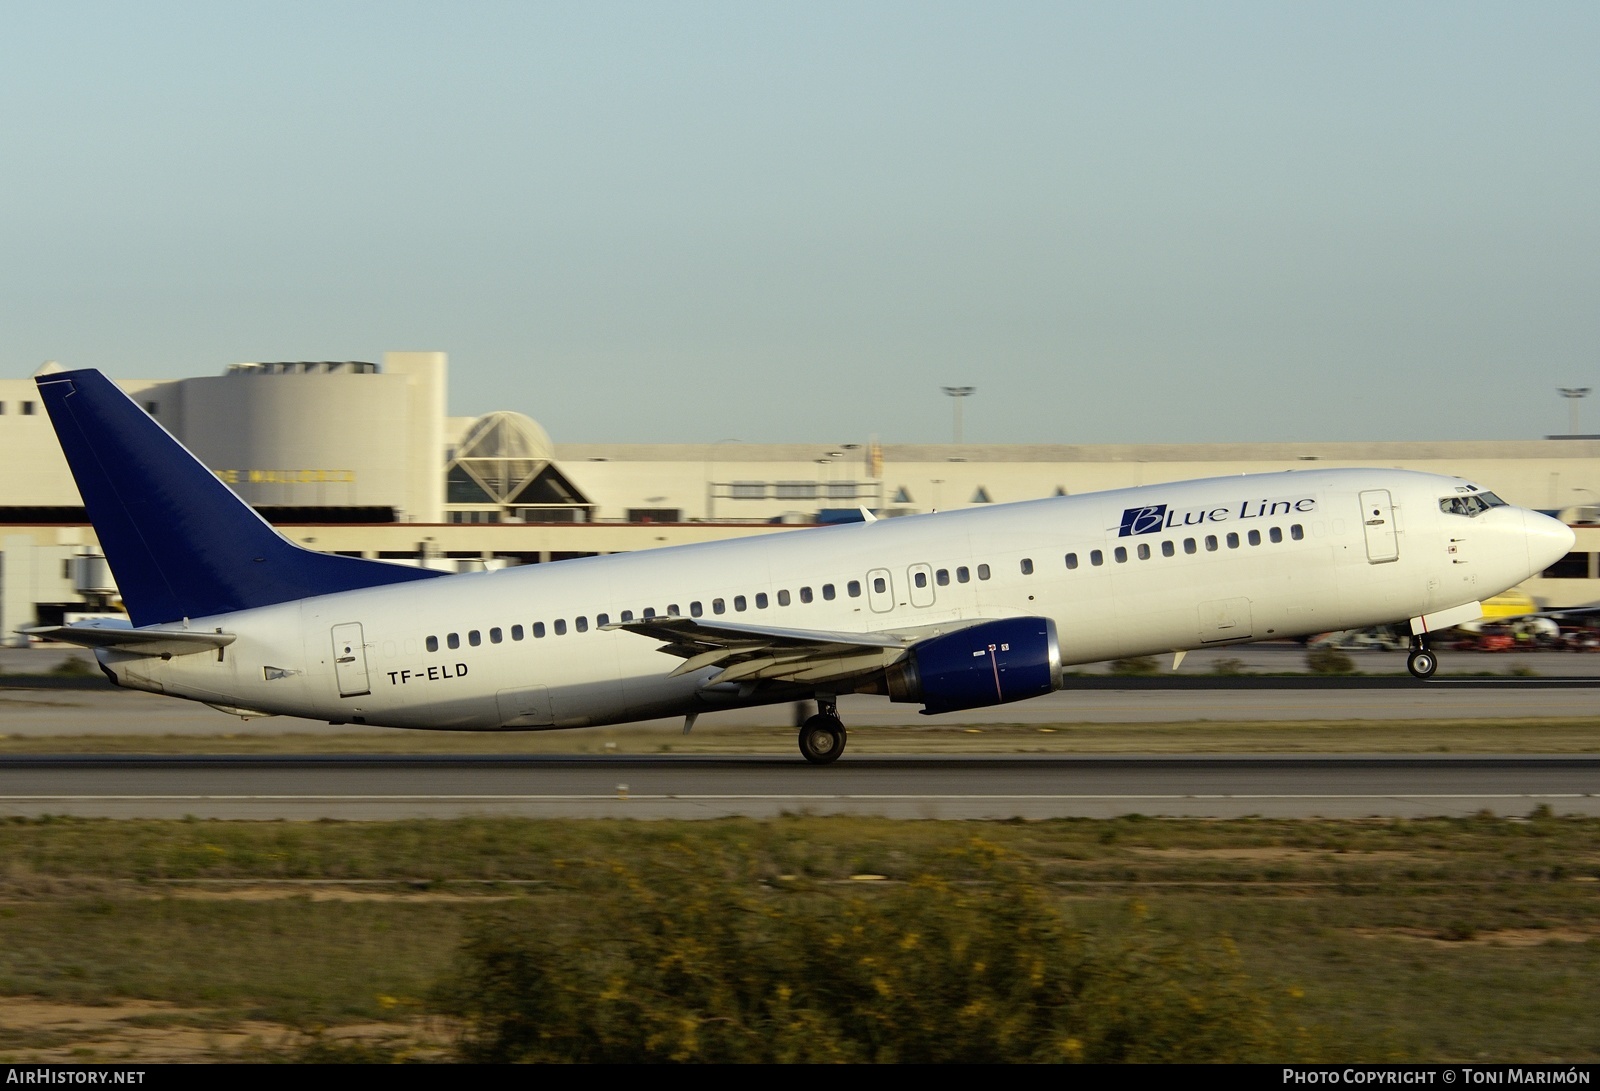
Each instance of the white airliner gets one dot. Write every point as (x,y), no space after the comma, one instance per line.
(953,611)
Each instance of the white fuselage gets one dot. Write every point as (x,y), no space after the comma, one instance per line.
(1310,552)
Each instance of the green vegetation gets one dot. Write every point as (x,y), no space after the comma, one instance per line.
(1329,661)
(806,938)
(1139,666)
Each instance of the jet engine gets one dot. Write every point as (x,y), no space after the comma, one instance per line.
(990,663)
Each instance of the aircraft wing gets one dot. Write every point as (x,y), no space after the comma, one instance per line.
(123,638)
(748,653)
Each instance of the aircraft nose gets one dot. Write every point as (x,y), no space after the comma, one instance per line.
(1548,540)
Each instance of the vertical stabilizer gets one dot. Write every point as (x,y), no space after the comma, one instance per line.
(178,540)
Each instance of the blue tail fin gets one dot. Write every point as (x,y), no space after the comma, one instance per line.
(178,540)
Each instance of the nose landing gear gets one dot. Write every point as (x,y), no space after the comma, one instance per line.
(822,737)
(1421,662)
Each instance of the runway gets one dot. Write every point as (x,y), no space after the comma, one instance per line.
(347,787)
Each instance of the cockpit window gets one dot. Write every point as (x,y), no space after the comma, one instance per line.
(1471,505)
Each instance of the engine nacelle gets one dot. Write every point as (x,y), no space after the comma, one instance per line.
(986,664)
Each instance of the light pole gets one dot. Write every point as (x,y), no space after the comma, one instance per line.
(956,393)
(1573,394)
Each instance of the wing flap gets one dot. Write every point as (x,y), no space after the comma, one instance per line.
(760,653)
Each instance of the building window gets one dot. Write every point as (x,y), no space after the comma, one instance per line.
(748,490)
(797,490)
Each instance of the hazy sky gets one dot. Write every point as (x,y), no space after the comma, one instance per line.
(680,221)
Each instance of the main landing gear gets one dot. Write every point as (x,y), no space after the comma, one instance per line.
(1421,662)
(822,737)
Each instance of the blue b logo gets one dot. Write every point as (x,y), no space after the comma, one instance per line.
(1146,520)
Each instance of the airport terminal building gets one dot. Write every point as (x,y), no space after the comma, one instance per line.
(361,458)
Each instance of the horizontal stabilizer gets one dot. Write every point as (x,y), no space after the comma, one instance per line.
(134,641)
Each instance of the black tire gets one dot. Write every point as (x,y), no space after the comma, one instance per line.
(822,740)
(1422,664)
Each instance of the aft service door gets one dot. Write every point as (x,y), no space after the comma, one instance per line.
(350,660)
(920,576)
(1377,519)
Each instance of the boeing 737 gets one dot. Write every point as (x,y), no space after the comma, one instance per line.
(952,611)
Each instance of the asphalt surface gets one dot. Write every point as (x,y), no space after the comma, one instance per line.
(347,787)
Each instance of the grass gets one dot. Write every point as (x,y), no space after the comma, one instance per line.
(1473,939)
(1567,735)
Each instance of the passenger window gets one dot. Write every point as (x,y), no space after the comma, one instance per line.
(561,626)
(474,638)
(983,571)
(672,609)
(920,579)
(1096,558)
(538,630)
(783,598)
(1275,534)
(1167,549)
(1120,554)
(1189,545)
(1233,541)
(805,594)
(582,624)
(1255,537)
(879,586)
(432,643)
(516,632)
(962,575)
(495,636)
(1297,532)
(649,612)
(1211,543)
(827,591)
(695,609)
(1072,560)
(1144,551)
(738,603)
(942,577)
(627,616)
(854,588)
(718,606)
(600,621)
(1027,566)
(452,641)
(761,600)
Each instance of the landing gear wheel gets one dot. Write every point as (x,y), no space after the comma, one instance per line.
(1422,664)
(822,739)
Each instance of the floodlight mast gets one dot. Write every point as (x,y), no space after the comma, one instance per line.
(957,393)
(1573,394)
